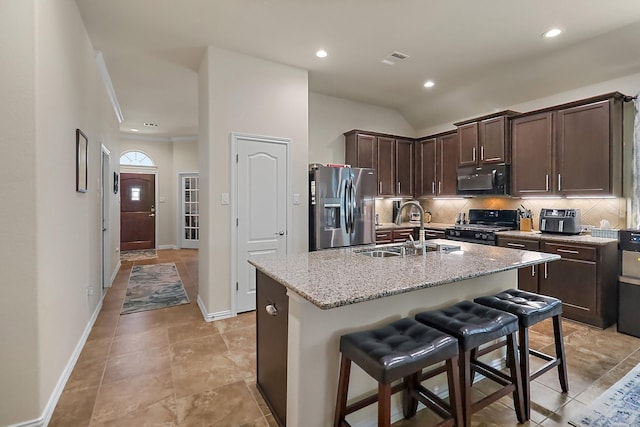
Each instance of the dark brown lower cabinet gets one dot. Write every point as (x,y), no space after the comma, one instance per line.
(272,313)
(585,279)
(527,276)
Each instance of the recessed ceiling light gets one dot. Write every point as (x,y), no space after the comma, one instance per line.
(429,83)
(135,130)
(321,53)
(552,33)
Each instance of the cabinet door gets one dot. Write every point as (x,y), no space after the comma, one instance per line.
(574,282)
(583,156)
(468,144)
(404,167)
(492,140)
(426,168)
(446,165)
(386,166)
(272,342)
(528,279)
(532,155)
(431,233)
(527,276)
(361,151)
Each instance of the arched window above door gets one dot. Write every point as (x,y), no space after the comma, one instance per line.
(135,158)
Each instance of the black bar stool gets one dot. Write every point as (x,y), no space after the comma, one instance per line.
(401,349)
(474,325)
(532,308)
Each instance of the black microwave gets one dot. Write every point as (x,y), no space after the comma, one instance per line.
(485,180)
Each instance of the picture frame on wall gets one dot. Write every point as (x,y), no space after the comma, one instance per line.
(82,145)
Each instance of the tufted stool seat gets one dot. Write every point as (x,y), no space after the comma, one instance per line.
(399,350)
(474,325)
(532,308)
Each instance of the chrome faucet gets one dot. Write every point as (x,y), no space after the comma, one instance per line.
(421,211)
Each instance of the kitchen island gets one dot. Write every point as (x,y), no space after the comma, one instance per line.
(305,302)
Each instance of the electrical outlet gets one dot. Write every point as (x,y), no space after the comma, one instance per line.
(90,290)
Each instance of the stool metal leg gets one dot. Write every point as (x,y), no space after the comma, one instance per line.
(562,367)
(384,405)
(343,387)
(514,367)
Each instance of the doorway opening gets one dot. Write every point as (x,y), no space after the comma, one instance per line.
(189,210)
(105,165)
(138,195)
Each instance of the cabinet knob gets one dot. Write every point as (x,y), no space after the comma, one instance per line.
(271,310)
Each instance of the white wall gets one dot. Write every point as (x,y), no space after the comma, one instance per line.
(54,251)
(331,117)
(19,399)
(629,85)
(243,94)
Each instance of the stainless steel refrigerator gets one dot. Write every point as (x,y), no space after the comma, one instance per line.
(341,206)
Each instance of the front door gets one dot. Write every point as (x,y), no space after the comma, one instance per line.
(262,210)
(137,211)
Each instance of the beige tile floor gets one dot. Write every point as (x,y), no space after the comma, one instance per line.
(169,367)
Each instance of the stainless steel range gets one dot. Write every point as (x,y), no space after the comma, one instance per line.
(482,226)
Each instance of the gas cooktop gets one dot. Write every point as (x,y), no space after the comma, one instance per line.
(481,227)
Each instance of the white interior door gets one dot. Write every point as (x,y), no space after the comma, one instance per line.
(261,210)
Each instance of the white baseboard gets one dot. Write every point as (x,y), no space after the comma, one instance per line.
(210,317)
(44,419)
(115,272)
(161,247)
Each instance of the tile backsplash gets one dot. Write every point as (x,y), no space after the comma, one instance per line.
(445,210)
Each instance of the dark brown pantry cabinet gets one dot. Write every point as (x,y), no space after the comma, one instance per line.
(272,323)
(436,161)
(484,140)
(569,150)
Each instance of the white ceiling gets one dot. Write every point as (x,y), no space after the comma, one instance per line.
(483,55)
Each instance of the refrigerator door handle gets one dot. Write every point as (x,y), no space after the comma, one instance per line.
(347,204)
(353,205)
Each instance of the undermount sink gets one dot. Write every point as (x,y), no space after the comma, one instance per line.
(402,249)
(378,253)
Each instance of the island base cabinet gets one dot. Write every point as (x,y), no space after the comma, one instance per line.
(272,313)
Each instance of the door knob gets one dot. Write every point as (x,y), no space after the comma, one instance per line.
(281,233)
(152,214)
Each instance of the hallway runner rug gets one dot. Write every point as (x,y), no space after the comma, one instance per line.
(154,286)
(138,255)
(617,407)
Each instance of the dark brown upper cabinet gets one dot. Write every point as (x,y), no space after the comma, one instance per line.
(392,157)
(436,163)
(532,159)
(570,150)
(404,167)
(485,139)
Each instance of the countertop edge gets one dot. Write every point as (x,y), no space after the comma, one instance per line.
(351,301)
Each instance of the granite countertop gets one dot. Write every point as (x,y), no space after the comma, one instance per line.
(537,235)
(338,277)
(432,225)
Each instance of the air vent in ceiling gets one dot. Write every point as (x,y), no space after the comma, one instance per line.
(151,125)
(394,57)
